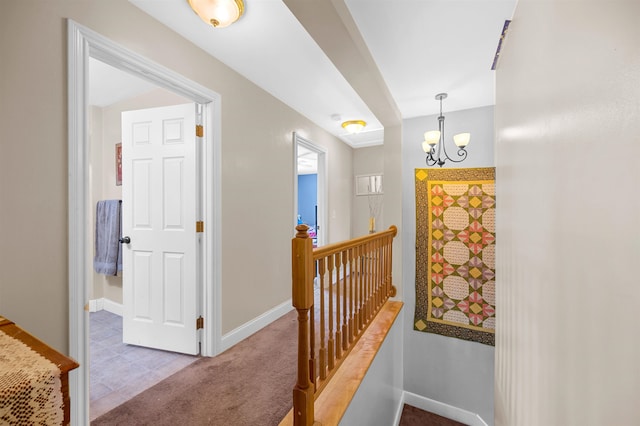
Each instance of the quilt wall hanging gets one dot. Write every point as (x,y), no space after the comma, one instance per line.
(455,253)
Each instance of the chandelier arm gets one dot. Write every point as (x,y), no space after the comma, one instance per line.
(462,153)
(431,161)
(446,155)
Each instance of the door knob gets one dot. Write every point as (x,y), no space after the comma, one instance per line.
(125,240)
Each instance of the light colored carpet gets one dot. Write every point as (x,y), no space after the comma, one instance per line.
(249,384)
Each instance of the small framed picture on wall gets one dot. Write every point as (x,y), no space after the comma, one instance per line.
(118,164)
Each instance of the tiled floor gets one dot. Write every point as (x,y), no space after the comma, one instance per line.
(118,372)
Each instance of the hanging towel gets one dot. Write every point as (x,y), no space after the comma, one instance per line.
(119,236)
(106,256)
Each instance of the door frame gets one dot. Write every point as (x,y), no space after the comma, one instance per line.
(82,44)
(323,197)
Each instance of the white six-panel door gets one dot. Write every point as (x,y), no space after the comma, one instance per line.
(159,182)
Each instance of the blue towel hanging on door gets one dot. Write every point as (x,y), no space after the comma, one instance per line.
(107,258)
(119,263)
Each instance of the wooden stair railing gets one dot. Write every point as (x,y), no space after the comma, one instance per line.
(337,290)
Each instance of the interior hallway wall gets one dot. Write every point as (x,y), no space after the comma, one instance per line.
(392,201)
(367,161)
(568,240)
(456,372)
(257,165)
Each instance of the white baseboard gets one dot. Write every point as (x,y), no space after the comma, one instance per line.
(106,305)
(229,339)
(439,408)
(396,420)
(95,305)
(240,333)
(113,307)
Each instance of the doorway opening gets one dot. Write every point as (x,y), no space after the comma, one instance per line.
(117,369)
(83,45)
(310,186)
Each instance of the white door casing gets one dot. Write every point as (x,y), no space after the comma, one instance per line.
(82,44)
(159,183)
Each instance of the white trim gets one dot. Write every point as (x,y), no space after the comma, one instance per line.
(247,329)
(78,54)
(212,214)
(399,408)
(108,305)
(95,305)
(111,306)
(323,196)
(439,408)
(82,44)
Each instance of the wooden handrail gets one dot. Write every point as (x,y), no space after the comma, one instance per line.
(352,282)
(348,244)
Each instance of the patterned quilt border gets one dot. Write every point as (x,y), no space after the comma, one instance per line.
(423,320)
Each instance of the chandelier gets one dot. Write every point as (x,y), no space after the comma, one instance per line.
(434,146)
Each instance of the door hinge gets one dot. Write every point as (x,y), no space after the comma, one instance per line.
(199,130)
(199,323)
(199,226)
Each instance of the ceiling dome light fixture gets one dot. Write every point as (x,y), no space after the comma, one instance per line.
(219,13)
(436,137)
(354,126)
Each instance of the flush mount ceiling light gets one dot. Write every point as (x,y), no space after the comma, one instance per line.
(219,13)
(438,155)
(354,126)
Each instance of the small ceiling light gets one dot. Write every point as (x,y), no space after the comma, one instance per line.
(219,13)
(438,154)
(354,126)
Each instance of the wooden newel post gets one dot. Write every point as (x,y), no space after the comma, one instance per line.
(394,290)
(302,296)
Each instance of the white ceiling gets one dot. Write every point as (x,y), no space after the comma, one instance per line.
(425,47)
(368,59)
(108,85)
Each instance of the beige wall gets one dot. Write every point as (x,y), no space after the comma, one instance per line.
(568,240)
(367,161)
(385,159)
(257,164)
(392,201)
